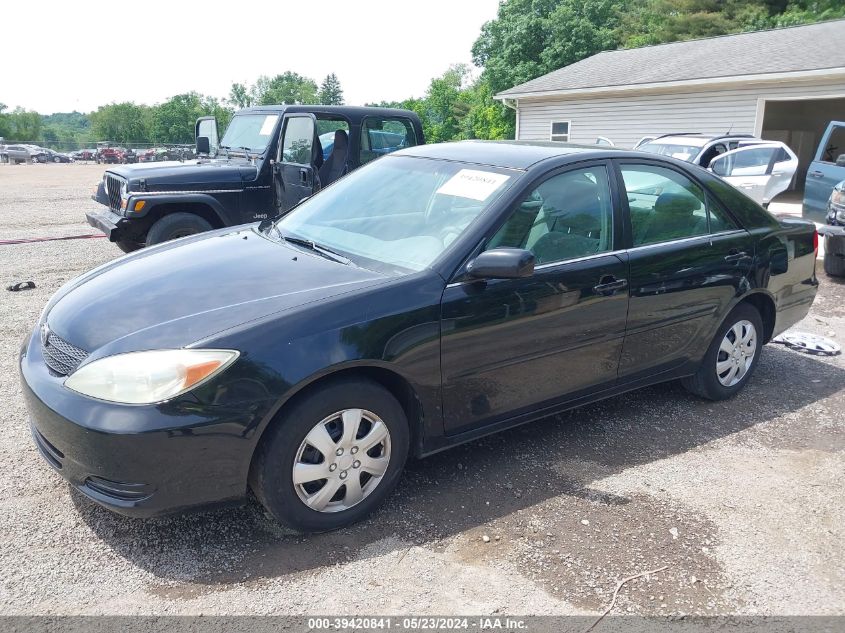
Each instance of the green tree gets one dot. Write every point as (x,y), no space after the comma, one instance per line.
(240,96)
(24,125)
(173,121)
(124,123)
(288,88)
(5,126)
(330,91)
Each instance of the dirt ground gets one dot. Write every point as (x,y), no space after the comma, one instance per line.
(742,502)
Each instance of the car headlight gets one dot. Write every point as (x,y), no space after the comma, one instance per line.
(148,377)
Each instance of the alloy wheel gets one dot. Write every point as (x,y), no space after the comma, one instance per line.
(736,353)
(342,460)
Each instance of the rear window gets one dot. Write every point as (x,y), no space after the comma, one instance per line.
(384,135)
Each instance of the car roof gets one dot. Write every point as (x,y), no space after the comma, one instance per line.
(680,137)
(508,154)
(357,112)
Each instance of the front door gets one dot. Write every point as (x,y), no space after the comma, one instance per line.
(687,263)
(509,346)
(824,173)
(294,169)
(760,171)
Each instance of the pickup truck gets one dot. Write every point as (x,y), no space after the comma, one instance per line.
(826,170)
(269,159)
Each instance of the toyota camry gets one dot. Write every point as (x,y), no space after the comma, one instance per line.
(436,295)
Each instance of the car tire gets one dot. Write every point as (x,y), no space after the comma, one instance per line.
(834,255)
(128,246)
(56,159)
(727,367)
(305,505)
(176,225)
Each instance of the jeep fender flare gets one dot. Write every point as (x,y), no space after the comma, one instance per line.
(156,200)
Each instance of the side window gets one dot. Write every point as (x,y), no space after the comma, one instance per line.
(835,145)
(380,136)
(298,140)
(327,133)
(569,215)
(664,204)
(560,131)
(719,220)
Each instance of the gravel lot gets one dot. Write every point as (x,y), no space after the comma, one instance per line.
(742,501)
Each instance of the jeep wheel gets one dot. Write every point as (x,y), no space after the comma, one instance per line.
(128,246)
(174,226)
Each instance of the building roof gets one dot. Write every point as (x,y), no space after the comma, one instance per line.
(812,48)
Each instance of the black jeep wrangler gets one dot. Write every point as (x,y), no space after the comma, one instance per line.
(269,159)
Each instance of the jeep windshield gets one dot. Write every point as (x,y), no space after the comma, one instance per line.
(396,214)
(249,132)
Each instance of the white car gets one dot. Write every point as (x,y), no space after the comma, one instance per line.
(761,170)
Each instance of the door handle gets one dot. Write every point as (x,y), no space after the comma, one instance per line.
(816,174)
(735,255)
(608,285)
(303,176)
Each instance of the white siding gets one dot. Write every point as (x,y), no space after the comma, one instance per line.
(625,118)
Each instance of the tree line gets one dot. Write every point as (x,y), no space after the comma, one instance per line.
(528,38)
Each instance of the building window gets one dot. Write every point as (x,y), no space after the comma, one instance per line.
(560,131)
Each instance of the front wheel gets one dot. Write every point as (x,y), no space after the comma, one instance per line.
(333,457)
(176,225)
(128,246)
(732,356)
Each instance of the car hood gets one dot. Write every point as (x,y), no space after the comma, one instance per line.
(181,292)
(194,175)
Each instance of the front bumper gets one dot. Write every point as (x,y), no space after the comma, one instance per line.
(138,461)
(109,222)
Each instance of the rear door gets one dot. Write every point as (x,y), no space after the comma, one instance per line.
(761,171)
(824,174)
(688,259)
(294,169)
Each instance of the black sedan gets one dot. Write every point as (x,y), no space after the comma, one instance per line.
(433,296)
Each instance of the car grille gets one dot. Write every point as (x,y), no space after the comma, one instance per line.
(60,356)
(113,185)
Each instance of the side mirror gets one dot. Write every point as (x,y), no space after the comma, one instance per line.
(502,263)
(840,160)
(719,167)
(203,145)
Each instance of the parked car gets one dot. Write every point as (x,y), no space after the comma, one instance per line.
(50,156)
(130,157)
(692,147)
(826,170)
(17,154)
(439,294)
(109,155)
(85,154)
(269,159)
(761,170)
(834,232)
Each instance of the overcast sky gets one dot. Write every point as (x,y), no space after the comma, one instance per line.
(63,56)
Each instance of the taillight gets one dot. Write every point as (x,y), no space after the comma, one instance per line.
(816,241)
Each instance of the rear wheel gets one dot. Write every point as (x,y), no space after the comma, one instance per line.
(732,356)
(333,457)
(176,225)
(834,255)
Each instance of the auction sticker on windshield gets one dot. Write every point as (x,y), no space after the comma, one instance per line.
(269,124)
(473,184)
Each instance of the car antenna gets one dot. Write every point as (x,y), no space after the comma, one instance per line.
(730,129)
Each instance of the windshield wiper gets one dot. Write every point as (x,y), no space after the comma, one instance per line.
(317,248)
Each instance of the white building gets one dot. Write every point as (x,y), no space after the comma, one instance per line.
(782,84)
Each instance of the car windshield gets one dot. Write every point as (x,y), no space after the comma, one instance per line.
(683,151)
(251,131)
(398,213)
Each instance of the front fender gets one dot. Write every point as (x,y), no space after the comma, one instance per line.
(154,200)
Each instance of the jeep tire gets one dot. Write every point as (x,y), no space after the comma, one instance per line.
(176,225)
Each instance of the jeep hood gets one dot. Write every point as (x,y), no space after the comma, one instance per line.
(181,292)
(187,176)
